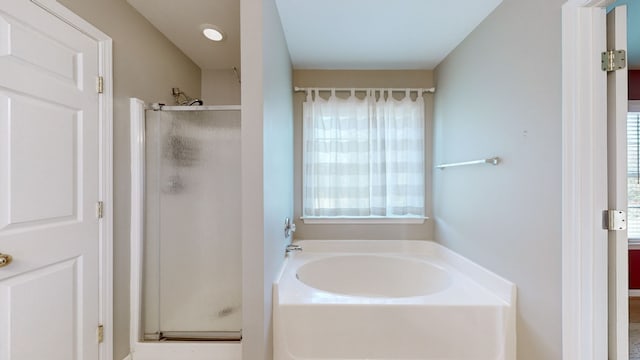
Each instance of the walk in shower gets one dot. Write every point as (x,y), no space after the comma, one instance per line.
(186,261)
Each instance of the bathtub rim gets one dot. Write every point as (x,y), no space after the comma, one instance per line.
(438,278)
(498,285)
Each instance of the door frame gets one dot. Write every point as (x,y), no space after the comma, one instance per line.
(105,193)
(584,181)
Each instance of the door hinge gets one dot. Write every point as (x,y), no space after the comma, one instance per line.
(613,60)
(100,85)
(614,220)
(100,210)
(100,333)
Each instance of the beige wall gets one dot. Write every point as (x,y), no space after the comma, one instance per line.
(499,94)
(220,87)
(267,167)
(361,78)
(146,65)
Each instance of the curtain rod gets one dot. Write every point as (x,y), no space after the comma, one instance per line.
(421,90)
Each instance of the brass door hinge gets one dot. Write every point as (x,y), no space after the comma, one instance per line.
(100,210)
(100,85)
(100,333)
(613,60)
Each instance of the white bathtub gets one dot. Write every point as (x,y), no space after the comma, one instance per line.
(391,300)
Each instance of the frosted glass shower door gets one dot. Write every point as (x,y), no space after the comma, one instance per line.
(192,258)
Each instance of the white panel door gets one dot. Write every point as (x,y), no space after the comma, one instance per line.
(617,184)
(49,163)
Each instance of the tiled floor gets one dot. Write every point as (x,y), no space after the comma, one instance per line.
(634,309)
(634,328)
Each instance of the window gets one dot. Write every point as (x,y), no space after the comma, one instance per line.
(363,157)
(633,174)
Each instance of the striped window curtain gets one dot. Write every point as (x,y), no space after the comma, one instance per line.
(363,157)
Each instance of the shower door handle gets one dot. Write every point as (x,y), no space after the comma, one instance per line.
(5,259)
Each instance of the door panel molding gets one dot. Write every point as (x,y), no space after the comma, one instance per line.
(26,291)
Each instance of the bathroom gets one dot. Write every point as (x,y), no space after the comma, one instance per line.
(494,97)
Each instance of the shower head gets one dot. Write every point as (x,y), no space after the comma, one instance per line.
(195,102)
(183,99)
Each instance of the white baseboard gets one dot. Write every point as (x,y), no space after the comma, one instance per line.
(128,357)
(203,350)
(634,292)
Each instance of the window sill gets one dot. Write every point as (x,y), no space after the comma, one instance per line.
(634,244)
(364,220)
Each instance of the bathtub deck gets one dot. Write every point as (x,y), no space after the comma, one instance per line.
(464,291)
(472,319)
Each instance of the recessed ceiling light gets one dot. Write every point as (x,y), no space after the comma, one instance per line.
(212,33)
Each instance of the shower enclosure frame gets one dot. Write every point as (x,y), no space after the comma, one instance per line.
(193,350)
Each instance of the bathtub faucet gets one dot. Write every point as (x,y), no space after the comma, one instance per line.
(292,247)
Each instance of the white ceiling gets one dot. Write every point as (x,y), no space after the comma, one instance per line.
(328,34)
(377,34)
(180,20)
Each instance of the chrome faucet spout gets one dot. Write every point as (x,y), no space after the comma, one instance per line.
(292,247)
